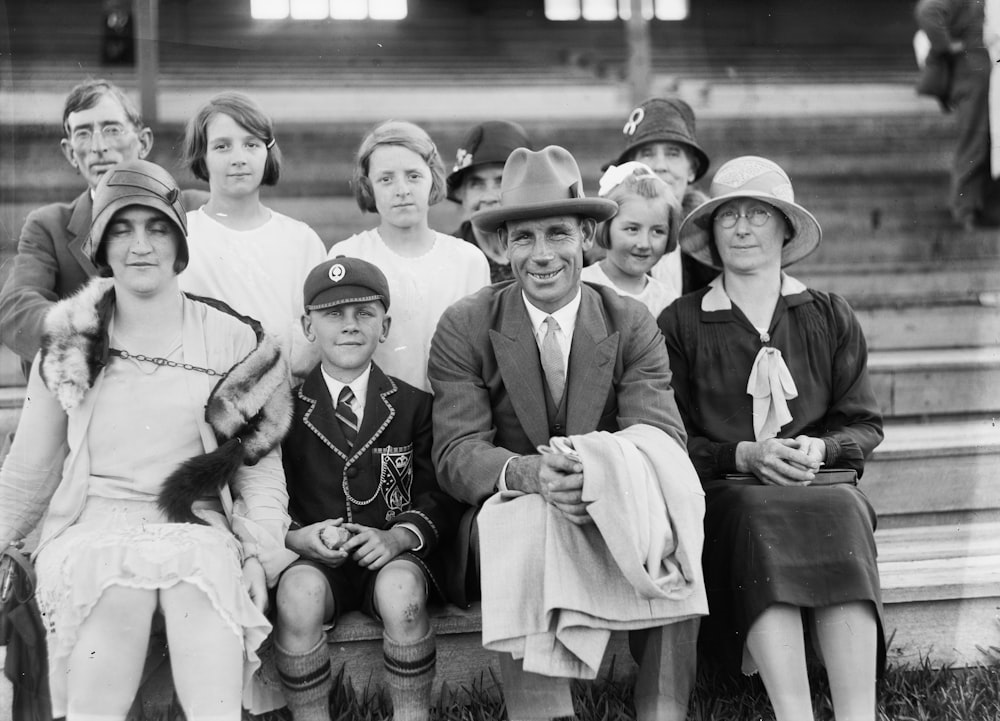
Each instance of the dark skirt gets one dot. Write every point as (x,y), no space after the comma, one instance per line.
(809,547)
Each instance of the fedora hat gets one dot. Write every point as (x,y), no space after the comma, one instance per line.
(539,184)
(662,120)
(489,142)
(751,177)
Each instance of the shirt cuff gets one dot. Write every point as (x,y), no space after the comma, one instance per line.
(502,481)
(416,532)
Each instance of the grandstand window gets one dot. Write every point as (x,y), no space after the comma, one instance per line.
(614,9)
(320,9)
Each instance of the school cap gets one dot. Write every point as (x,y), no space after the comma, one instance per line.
(344,280)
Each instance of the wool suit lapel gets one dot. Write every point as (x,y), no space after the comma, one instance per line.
(320,417)
(378,410)
(591,365)
(516,351)
(78,230)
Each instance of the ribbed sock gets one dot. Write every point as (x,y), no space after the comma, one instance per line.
(409,674)
(306,681)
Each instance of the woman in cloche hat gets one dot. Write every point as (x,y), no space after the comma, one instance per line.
(660,133)
(771,379)
(146,441)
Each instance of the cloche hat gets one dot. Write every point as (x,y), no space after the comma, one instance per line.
(136,182)
(662,120)
(489,142)
(750,176)
(538,184)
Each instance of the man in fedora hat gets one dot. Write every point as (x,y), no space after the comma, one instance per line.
(474,183)
(514,365)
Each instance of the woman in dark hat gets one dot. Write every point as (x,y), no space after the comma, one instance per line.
(474,182)
(660,133)
(771,379)
(146,440)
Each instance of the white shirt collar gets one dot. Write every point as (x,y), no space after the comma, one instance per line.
(717,298)
(359,386)
(565,316)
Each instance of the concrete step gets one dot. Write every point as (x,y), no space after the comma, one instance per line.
(946,471)
(917,324)
(941,592)
(932,383)
(882,283)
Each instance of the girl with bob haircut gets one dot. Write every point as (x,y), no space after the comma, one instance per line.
(242,252)
(399,174)
(644,229)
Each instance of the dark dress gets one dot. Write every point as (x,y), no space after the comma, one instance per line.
(808,546)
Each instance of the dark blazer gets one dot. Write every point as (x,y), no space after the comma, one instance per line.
(387,477)
(488,390)
(50,265)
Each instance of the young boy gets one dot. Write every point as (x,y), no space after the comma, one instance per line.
(368,513)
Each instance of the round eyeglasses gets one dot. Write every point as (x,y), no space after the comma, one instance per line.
(756,216)
(112,133)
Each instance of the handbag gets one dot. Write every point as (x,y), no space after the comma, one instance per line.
(22,632)
(824,477)
(936,71)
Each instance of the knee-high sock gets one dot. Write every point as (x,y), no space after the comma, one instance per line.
(409,674)
(306,681)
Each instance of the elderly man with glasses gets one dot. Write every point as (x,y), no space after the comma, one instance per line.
(101,128)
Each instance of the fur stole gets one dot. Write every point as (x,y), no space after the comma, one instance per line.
(249,409)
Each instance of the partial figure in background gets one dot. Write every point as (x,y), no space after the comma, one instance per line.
(159,495)
(955,28)
(771,379)
(991,38)
(102,128)
(243,252)
(644,228)
(660,133)
(474,182)
(399,175)
(370,520)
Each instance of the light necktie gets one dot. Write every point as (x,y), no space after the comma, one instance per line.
(346,415)
(552,361)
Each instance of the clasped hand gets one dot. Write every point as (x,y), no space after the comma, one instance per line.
(369,547)
(557,478)
(782,461)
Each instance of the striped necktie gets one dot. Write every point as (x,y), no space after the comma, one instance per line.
(552,361)
(345,414)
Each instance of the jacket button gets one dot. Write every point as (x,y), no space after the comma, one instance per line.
(557,428)
(352,472)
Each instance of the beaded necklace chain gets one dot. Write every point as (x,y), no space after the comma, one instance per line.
(162,362)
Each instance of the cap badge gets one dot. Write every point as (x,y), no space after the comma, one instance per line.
(633,121)
(463,159)
(336,272)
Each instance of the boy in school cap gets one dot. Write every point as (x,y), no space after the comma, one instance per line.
(368,516)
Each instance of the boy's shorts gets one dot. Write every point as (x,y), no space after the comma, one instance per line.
(353,587)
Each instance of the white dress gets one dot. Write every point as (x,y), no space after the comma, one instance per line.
(121,537)
(258,273)
(655,296)
(420,290)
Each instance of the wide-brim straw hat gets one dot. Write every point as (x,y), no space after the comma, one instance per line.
(539,184)
(136,182)
(489,142)
(669,120)
(750,176)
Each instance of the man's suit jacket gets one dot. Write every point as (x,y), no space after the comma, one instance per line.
(388,471)
(50,265)
(489,402)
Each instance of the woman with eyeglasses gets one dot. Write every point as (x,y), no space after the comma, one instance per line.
(771,379)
